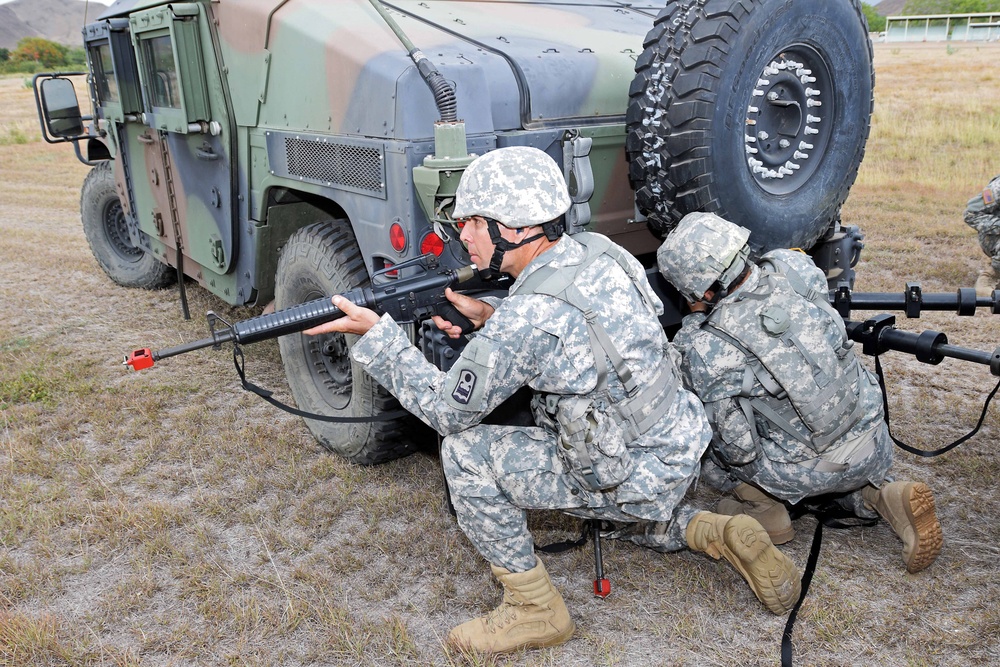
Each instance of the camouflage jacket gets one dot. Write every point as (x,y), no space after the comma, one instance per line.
(714,370)
(541,342)
(983,215)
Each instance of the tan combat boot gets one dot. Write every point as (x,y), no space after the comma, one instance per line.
(908,507)
(743,542)
(987,282)
(772,514)
(531,615)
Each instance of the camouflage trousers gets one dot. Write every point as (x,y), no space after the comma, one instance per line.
(793,482)
(496,473)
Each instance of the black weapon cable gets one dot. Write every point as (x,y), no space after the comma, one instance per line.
(827,514)
(924,452)
(240,362)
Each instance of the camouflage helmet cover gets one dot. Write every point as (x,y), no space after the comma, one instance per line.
(703,249)
(518,186)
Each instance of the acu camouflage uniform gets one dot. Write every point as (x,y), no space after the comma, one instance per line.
(983,215)
(495,473)
(777,462)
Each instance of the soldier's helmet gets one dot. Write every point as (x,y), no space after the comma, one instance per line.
(518,186)
(702,250)
(988,201)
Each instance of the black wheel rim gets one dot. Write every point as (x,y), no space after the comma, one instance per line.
(116,229)
(329,363)
(789,119)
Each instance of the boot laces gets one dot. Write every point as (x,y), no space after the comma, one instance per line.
(501,616)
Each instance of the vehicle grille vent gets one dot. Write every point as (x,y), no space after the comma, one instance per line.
(334,163)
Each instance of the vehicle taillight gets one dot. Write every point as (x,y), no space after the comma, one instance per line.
(397,237)
(432,243)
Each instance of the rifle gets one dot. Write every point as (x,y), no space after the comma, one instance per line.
(406,300)
(963,301)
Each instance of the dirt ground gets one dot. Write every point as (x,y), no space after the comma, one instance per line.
(168,518)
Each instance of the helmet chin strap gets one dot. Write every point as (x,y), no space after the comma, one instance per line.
(721,291)
(501,246)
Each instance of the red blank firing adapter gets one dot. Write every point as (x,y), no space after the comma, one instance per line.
(140,359)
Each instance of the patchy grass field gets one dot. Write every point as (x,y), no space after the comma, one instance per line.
(168,518)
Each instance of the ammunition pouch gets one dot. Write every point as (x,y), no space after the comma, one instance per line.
(594,431)
(590,439)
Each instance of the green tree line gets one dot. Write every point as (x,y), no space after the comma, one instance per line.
(36,54)
(951,7)
(876,22)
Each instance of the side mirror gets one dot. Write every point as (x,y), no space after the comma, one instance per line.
(61,109)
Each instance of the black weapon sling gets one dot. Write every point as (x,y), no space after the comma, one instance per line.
(240,362)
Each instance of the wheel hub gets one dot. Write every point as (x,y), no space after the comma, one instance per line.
(786,131)
(116,228)
(332,366)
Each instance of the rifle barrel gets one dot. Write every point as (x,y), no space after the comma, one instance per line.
(297,318)
(219,337)
(963,301)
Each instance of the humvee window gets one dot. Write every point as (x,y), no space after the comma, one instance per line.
(171,69)
(104,73)
(114,81)
(158,57)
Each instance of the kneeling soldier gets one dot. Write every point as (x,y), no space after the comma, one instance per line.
(616,437)
(794,413)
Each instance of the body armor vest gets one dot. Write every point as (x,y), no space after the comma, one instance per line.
(797,349)
(594,431)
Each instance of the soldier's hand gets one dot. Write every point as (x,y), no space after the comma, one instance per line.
(356,320)
(475,310)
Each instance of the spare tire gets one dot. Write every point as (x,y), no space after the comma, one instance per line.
(757,110)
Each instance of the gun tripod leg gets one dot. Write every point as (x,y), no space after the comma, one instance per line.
(602,586)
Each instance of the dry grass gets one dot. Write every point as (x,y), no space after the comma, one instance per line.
(168,518)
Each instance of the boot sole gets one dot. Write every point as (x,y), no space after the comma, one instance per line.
(772,576)
(920,512)
(467,646)
(734,507)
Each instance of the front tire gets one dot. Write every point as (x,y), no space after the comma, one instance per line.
(757,110)
(106,230)
(320,260)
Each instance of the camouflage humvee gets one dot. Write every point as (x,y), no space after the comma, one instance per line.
(289,149)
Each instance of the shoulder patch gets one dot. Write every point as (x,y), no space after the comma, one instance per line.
(470,376)
(465,385)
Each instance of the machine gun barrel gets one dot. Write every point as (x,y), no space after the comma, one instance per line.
(879,334)
(406,300)
(913,300)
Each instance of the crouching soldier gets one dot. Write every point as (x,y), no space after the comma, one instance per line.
(983,215)
(616,436)
(794,413)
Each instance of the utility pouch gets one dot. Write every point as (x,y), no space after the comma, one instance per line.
(592,442)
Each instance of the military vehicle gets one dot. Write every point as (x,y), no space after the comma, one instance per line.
(289,149)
